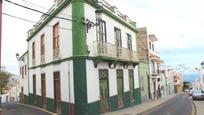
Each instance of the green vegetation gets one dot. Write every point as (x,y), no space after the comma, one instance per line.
(4,80)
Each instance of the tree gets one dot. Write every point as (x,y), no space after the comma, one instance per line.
(4,80)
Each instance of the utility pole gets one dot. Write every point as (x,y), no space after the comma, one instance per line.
(1,2)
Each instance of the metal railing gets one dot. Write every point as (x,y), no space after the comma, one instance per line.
(112,51)
(56,53)
(42,60)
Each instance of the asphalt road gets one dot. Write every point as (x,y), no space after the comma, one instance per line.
(16,109)
(179,105)
(199,107)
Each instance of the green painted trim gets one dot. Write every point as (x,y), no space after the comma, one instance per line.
(31,99)
(80,86)
(62,6)
(39,101)
(94,108)
(114,103)
(65,106)
(78,28)
(103,58)
(23,55)
(137,96)
(112,15)
(50,104)
(127,99)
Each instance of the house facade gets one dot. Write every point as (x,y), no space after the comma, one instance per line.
(82,59)
(144,72)
(152,79)
(23,78)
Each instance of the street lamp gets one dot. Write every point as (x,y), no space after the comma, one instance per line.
(17,56)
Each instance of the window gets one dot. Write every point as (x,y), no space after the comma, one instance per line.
(25,70)
(33,53)
(101,31)
(42,49)
(150,45)
(118,37)
(129,42)
(56,40)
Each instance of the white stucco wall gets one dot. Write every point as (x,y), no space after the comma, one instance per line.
(66,80)
(65,38)
(110,24)
(93,90)
(24,81)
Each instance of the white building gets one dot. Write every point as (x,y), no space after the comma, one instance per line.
(23,78)
(85,63)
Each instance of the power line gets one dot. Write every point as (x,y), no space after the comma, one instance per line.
(38,11)
(28,3)
(23,19)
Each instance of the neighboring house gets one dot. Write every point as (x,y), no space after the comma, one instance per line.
(84,64)
(12,93)
(23,78)
(152,81)
(170,89)
(144,72)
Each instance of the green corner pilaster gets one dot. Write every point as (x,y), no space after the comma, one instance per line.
(79,64)
(78,28)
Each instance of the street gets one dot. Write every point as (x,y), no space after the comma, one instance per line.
(179,105)
(13,108)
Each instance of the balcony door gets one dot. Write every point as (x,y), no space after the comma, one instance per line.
(120,88)
(43,85)
(104,90)
(34,90)
(118,41)
(57,92)
(101,36)
(131,85)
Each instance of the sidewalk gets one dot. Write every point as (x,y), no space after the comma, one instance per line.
(139,109)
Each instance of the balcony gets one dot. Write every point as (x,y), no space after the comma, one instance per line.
(112,51)
(42,60)
(33,61)
(56,54)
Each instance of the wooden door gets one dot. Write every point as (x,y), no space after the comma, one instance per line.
(104,90)
(43,88)
(57,92)
(21,95)
(131,85)
(120,88)
(34,90)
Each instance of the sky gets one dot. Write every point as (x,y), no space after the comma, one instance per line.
(178,25)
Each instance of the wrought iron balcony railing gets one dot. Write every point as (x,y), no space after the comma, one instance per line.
(112,51)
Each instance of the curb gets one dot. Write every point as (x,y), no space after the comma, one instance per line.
(157,106)
(193,107)
(37,108)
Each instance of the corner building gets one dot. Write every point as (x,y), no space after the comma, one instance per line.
(85,63)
